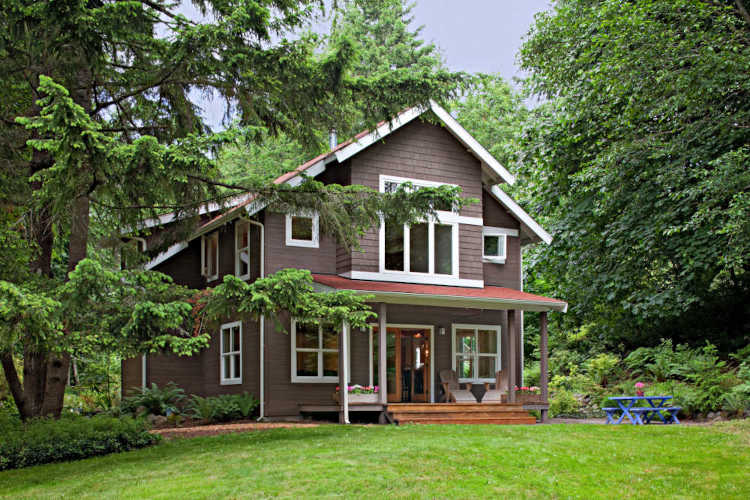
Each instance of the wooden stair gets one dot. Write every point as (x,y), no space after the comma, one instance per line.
(460,413)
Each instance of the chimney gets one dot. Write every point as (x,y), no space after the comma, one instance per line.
(332,139)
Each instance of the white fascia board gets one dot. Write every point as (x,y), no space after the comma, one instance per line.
(313,171)
(466,138)
(379,133)
(204,209)
(520,214)
(166,254)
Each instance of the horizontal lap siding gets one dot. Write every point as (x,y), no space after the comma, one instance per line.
(470,252)
(131,375)
(425,152)
(280,256)
(495,215)
(508,274)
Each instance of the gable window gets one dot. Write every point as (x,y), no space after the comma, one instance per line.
(231,353)
(429,247)
(242,250)
(476,352)
(495,245)
(315,352)
(302,230)
(210,256)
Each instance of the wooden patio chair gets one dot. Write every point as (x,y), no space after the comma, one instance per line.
(500,393)
(453,391)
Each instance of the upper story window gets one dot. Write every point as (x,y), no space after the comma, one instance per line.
(210,256)
(476,352)
(242,250)
(231,353)
(495,244)
(315,352)
(302,230)
(427,248)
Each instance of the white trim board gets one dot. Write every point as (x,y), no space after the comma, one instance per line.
(520,214)
(415,278)
(166,254)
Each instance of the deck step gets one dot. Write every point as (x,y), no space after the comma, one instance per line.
(460,413)
(528,420)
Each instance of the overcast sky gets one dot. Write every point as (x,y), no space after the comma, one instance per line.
(474,36)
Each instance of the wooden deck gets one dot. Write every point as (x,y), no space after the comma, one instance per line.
(460,413)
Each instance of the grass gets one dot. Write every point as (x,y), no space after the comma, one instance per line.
(570,461)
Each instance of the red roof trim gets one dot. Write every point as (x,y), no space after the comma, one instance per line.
(488,292)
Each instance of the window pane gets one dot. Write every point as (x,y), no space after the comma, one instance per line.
(465,367)
(418,248)
(330,337)
(225,340)
(390,187)
(491,246)
(394,246)
(302,228)
(227,366)
(486,367)
(487,341)
(307,364)
(244,262)
(237,371)
(244,236)
(375,357)
(465,341)
(213,250)
(330,364)
(443,249)
(307,335)
(236,338)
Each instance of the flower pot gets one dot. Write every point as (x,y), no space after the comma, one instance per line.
(527,397)
(357,398)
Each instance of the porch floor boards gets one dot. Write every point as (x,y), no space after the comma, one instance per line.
(460,413)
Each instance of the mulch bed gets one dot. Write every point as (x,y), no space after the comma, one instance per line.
(213,430)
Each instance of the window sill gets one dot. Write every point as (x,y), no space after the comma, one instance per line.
(494,260)
(302,243)
(209,279)
(233,381)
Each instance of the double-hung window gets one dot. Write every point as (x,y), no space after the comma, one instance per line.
(210,256)
(476,352)
(242,250)
(231,353)
(302,230)
(315,352)
(428,248)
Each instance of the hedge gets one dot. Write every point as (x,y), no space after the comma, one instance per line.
(42,441)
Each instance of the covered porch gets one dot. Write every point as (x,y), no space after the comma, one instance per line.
(422,334)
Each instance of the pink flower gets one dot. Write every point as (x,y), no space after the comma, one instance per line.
(338,388)
(640,385)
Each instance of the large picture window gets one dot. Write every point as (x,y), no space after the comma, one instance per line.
(231,353)
(476,352)
(315,352)
(210,256)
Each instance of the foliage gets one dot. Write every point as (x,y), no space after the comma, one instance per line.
(601,367)
(154,400)
(222,408)
(638,162)
(42,441)
(563,403)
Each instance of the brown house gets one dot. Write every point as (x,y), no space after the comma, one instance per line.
(448,294)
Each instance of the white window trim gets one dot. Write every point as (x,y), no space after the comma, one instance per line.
(320,379)
(204,268)
(225,355)
(476,328)
(502,234)
(237,250)
(291,242)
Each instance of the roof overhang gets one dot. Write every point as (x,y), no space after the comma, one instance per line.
(529,227)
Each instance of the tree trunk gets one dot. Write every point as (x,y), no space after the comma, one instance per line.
(16,389)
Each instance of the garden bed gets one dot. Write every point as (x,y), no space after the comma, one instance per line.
(213,430)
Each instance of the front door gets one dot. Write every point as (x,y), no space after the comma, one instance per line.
(408,366)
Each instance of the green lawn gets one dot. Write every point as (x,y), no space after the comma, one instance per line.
(584,461)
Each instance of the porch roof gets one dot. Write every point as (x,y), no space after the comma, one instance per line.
(489,297)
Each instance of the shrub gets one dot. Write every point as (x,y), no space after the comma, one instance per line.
(532,373)
(222,408)
(564,403)
(601,367)
(69,438)
(154,400)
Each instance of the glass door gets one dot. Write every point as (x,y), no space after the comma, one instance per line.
(407,363)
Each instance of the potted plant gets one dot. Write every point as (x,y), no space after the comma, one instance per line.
(639,388)
(528,394)
(358,394)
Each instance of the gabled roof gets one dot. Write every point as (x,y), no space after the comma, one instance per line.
(489,297)
(492,173)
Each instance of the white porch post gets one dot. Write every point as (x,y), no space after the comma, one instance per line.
(344,374)
(382,354)
(513,334)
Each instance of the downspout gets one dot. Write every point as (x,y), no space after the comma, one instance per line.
(262,325)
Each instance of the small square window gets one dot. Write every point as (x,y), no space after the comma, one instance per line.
(302,231)
(494,247)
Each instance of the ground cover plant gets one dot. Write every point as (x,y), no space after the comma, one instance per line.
(571,461)
(72,437)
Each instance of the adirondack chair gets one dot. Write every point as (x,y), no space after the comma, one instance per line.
(453,391)
(500,393)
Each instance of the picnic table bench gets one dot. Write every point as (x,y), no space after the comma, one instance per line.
(641,415)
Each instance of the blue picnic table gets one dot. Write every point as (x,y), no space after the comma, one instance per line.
(641,415)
